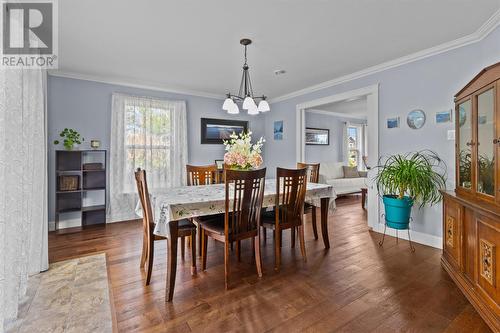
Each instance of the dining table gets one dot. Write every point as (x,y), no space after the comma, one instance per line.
(174,204)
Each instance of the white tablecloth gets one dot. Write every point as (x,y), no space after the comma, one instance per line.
(192,201)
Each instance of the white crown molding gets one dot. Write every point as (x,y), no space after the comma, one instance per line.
(478,35)
(337,114)
(128,83)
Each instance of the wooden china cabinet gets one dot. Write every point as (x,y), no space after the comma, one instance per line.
(471,213)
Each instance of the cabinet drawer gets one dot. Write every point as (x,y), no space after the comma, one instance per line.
(452,232)
(487,256)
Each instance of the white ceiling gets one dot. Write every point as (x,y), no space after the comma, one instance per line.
(194,45)
(350,108)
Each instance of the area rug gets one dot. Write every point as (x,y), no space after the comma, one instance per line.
(72,296)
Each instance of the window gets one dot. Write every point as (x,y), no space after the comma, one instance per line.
(147,136)
(147,133)
(353,145)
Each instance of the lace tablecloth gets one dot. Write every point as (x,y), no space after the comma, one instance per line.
(192,201)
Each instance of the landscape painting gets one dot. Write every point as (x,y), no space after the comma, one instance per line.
(393,122)
(443,117)
(317,136)
(215,131)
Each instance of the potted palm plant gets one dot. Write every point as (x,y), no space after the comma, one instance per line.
(408,178)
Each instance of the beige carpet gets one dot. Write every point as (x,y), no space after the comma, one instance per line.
(72,296)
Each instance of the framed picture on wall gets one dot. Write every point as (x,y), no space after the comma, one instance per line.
(219,164)
(278,130)
(444,116)
(215,131)
(317,136)
(393,122)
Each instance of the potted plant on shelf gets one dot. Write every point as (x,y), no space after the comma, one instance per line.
(241,154)
(408,178)
(71,138)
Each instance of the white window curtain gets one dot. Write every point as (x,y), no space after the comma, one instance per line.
(364,146)
(150,134)
(23,177)
(345,143)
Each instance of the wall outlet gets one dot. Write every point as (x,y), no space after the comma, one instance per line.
(451,135)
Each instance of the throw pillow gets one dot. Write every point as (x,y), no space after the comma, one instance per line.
(350,172)
(363,174)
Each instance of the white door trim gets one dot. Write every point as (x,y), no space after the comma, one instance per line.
(371,93)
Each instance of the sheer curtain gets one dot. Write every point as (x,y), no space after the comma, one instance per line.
(151,134)
(23,175)
(345,143)
(364,146)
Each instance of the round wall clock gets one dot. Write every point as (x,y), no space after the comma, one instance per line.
(416,119)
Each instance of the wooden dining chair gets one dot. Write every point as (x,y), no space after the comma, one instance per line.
(288,212)
(243,205)
(312,177)
(186,228)
(202,175)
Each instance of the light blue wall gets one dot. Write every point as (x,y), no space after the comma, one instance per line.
(86,107)
(428,84)
(333,152)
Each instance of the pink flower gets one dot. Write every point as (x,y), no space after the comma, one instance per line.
(256,160)
(229,158)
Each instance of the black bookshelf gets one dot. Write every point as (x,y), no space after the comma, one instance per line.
(72,163)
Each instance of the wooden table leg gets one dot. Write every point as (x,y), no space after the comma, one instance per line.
(324,221)
(173,228)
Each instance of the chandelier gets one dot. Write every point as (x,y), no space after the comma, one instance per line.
(245,94)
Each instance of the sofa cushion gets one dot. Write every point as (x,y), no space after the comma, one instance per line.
(330,170)
(347,185)
(350,172)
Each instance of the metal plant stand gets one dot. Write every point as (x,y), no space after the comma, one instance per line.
(380,243)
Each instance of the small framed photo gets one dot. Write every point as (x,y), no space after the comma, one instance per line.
(317,136)
(443,117)
(219,164)
(393,122)
(278,130)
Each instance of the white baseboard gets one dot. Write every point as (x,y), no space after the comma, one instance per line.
(417,237)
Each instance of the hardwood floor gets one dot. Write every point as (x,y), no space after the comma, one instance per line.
(355,286)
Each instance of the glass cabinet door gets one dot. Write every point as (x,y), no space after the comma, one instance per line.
(465,144)
(485,166)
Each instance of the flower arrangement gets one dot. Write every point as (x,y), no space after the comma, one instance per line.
(241,154)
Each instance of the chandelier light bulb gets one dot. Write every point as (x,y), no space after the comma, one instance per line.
(248,103)
(233,108)
(252,110)
(264,106)
(227,104)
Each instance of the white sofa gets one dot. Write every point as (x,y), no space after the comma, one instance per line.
(332,173)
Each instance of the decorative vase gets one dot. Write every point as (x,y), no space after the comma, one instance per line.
(72,147)
(397,211)
(240,168)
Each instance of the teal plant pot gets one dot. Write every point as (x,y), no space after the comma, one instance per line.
(397,211)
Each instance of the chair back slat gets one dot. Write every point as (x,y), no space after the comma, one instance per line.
(202,175)
(247,195)
(147,212)
(291,187)
(312,171)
